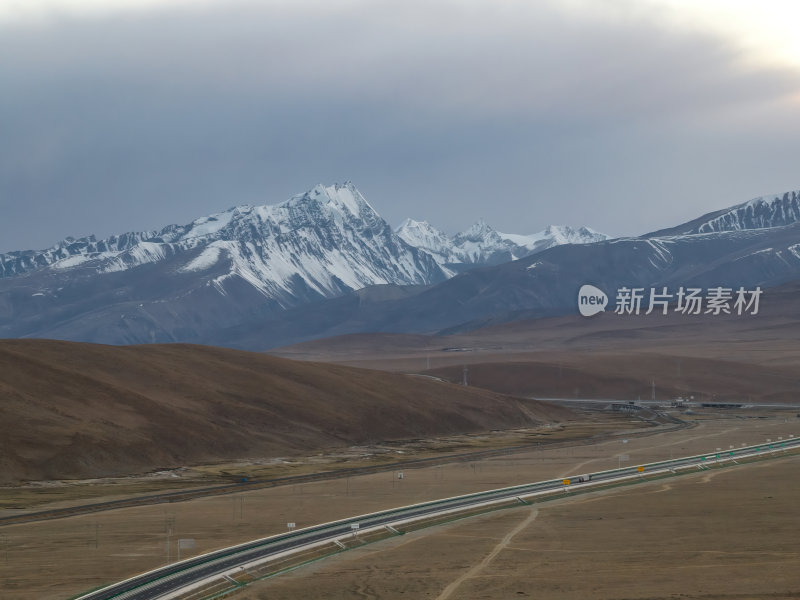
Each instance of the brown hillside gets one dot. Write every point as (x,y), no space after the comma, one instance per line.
(630,377)
(71,410)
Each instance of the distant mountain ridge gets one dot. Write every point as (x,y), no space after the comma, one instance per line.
(772,210)
(546,285)
(483,245)
(336,220)
(222,271)
(325,263)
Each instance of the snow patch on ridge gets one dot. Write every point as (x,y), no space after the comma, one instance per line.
(140,254)
(205,260)
(208,226)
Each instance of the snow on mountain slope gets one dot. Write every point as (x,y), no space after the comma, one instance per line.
(326,241)
(554,235)
(766,211)
(70,253)
(772,210)
(481,244)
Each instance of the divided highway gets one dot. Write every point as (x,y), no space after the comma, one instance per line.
(173,578)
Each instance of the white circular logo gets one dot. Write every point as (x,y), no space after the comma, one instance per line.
(591,300)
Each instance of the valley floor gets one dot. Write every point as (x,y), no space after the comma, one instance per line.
(79,553)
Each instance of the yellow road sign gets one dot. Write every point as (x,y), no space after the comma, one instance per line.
(640,469)
(565,482)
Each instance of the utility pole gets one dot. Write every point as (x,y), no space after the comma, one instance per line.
(464,378)
(169,522)
(654,390)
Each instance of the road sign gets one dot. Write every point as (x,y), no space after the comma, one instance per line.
(640,469)
(565,481)
(291,525)
(354,526)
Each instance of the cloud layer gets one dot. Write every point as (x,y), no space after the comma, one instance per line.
(523,113)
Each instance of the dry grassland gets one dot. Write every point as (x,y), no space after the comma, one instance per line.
(53,494)
(56,559)
(728,534)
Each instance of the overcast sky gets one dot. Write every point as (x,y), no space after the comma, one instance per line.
(623,115)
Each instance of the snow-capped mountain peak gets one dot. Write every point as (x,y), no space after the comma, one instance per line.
(480,231)
(422,234)
(322,243)
(344,197)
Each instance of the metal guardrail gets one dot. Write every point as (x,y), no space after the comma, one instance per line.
(148,585)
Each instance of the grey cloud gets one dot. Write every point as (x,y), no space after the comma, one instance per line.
(440,111)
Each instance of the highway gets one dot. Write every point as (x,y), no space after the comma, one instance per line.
(170,579)
(711,403)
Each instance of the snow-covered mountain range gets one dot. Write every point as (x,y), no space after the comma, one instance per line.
(326,241)
(481,244)
(228,270)
(325,263)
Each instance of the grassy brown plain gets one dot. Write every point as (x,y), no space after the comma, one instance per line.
(80,553)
